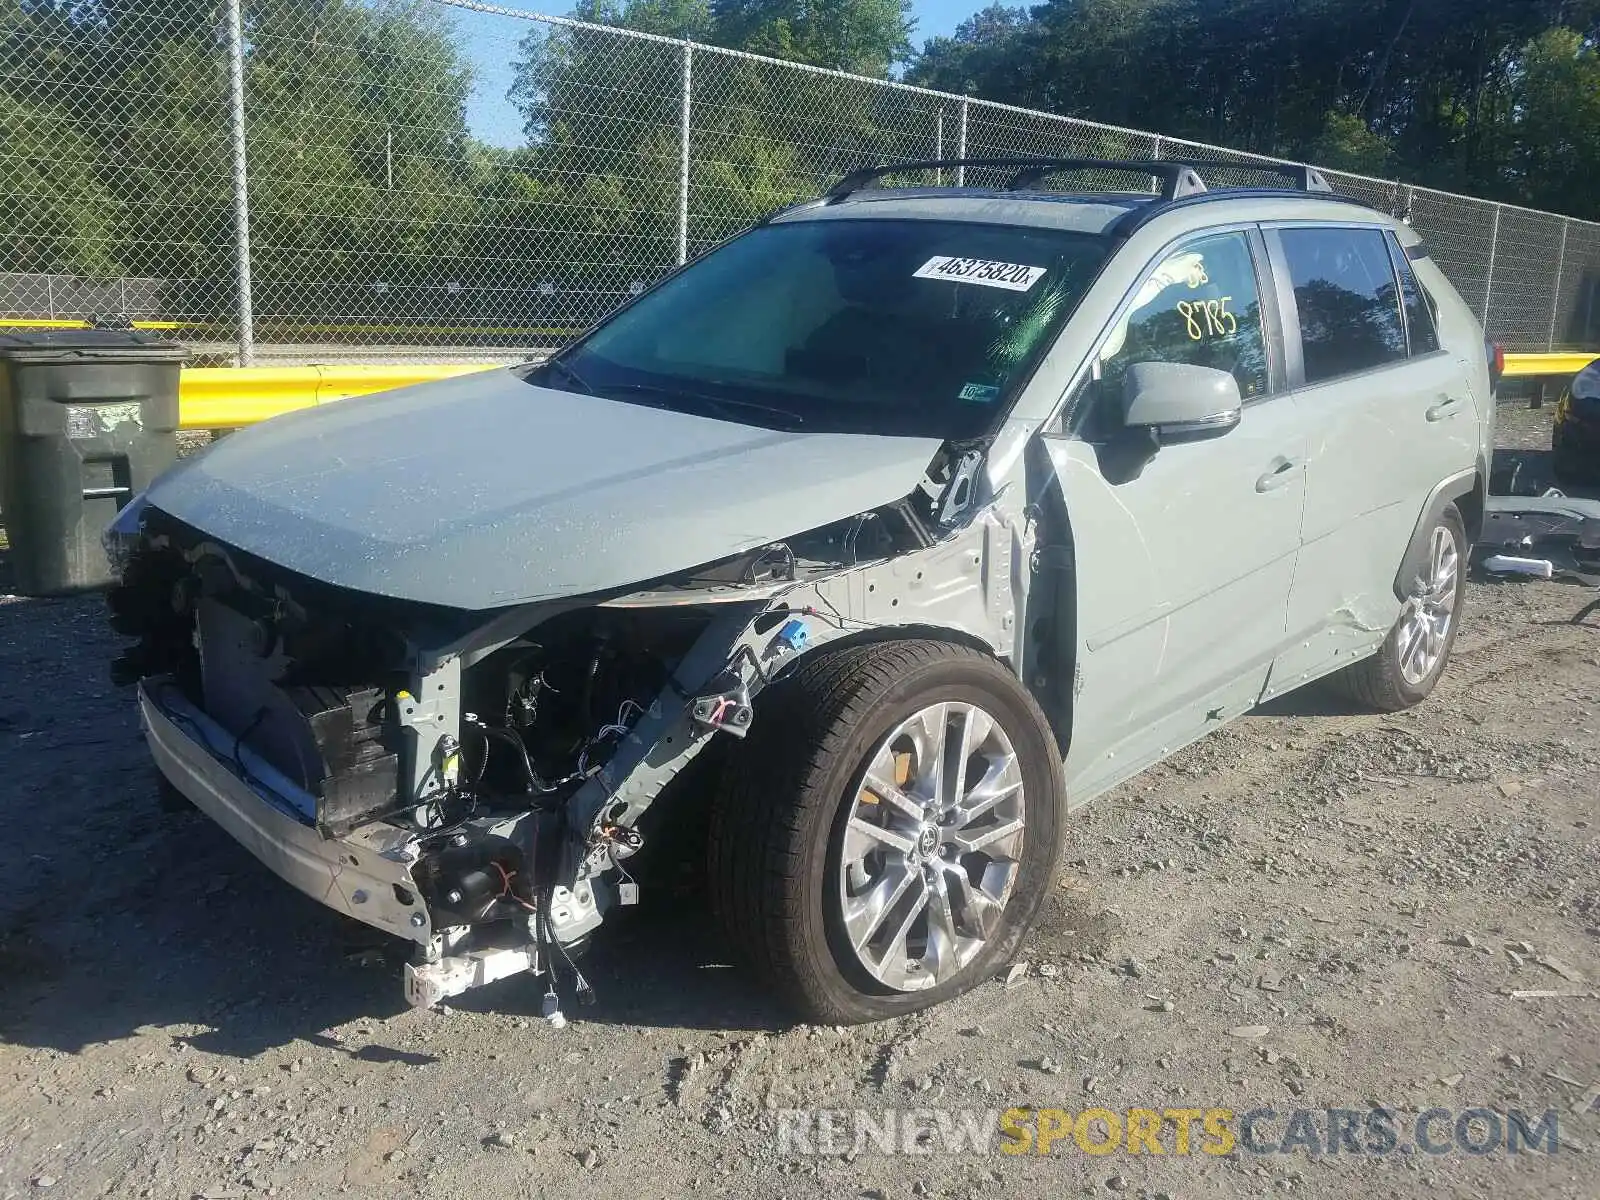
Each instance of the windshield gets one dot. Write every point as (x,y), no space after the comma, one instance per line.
(918,328)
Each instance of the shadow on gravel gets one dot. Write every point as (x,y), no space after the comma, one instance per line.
(1315,700)
(116,915)
(662,965)
(1517,472)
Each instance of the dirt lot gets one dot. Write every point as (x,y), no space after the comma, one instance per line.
(1312,908)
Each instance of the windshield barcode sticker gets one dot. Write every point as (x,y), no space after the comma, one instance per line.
(1014,277)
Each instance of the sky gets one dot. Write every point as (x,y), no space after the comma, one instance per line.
(939,18)
(489,42)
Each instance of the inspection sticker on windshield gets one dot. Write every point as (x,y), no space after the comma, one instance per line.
(1014,277)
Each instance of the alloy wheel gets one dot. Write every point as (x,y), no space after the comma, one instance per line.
(1425,620)
(932,846)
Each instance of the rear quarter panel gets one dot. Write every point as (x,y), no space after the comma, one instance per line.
(1462,335)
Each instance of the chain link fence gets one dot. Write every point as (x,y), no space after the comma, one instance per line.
(310,180)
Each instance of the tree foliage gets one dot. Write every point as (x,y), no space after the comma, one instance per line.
(1482,96)
(372,200)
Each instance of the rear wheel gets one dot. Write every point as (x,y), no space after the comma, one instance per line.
(1408,665)
(885,837)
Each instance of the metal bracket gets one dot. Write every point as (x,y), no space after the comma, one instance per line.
(959,493)
(431,711)
(728,710)
(426,984)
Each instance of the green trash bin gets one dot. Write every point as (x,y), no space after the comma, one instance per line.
(88,417)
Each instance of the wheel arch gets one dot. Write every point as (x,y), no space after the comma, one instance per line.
(900,633)
(1467,490)
(928,633)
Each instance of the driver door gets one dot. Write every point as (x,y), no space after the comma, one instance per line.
(1183,557)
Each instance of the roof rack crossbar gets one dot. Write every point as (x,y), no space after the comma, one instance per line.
(1179,177)
(1178,180)
(1175,183)
(1303,178)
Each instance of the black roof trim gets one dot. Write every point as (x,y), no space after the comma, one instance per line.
(1180,181)
(1177,179)
(1127,226)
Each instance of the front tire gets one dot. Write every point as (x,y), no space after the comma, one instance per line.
(886,835)
(1407,667)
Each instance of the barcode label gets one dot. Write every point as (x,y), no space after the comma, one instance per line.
(1014,277)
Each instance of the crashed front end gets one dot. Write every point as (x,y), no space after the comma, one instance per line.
(473,781)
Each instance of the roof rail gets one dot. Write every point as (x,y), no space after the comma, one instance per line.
(1178,180)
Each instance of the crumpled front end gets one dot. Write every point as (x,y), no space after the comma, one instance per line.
(473,781)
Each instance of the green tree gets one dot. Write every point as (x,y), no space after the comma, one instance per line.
(864,37)
(117,157)
(1555,152)
(980,56)
(1479,96)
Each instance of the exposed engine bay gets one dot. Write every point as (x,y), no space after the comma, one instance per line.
(473,781)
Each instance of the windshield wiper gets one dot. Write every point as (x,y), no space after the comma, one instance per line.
(571,376)
(723,404)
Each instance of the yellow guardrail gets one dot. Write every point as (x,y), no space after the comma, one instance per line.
(280,330)
(45,323)
(227,397)
(1526,365)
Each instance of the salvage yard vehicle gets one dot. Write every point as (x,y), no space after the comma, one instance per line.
(1575,435)
(936,510)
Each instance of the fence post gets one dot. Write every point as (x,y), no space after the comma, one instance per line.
(961,145)
(938,145)
(241,185)
(1155,149)
(1488,283)
(684,114)
(1555,296)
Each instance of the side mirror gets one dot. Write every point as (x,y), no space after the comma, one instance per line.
(1179,402)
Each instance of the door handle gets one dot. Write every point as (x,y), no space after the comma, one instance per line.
(1279,476)
(1448,406)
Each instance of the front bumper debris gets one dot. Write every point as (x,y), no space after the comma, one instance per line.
(365,874)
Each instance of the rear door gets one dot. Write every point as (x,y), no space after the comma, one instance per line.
(1389,416)
(1183,560)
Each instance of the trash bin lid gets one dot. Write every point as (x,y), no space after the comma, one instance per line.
(66,345)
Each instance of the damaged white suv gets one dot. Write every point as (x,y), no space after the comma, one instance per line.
(938,510)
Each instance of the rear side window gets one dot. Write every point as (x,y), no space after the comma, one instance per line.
(1424,334)
(1344,287)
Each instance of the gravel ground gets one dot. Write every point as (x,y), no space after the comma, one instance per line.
(1312,908)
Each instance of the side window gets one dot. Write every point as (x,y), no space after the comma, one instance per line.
(1344,286)
(1199,306)
(1419,313)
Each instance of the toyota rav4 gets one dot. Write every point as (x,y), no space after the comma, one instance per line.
(935,510)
